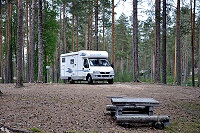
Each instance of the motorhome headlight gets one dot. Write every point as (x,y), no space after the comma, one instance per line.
(112,72)
(96,72)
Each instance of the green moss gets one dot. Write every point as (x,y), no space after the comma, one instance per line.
(36,130)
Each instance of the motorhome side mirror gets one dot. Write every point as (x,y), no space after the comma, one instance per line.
(112,66)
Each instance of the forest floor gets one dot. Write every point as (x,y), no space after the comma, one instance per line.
(82,108)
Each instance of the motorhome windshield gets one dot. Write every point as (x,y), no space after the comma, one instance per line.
(99,62)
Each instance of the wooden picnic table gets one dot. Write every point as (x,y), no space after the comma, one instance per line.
(132,110)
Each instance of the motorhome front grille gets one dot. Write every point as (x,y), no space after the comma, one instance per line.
(105,72)
(103,75)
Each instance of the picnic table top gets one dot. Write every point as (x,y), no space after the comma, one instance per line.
(134,101)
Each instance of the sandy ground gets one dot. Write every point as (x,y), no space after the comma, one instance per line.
(81,107)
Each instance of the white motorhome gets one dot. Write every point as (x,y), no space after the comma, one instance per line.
(86,65)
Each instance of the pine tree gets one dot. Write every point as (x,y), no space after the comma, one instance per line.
(32,42)
(157,42)
(135,42)
(178,45)
(19,82)
(164,64)
(40,44)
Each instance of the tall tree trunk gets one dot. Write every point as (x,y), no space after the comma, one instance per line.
(164,62)
(1,50)
(127,62)
(32,48)
(8,67)
(157,42)
(73,32)
(193,39)
(113,34)
(90,28)
(122,61)
(27,39)
(178,45)
(40,44)
(175,61)
(199,61)
(96,27)
(85,37)
(19,82)
(64,29)
(135,42)
(152,65)
(103,30)
(77,34)
(186,63)
(59,52)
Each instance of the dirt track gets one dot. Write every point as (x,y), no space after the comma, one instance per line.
(81,107)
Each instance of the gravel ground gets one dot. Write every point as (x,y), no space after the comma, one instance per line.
(81,107)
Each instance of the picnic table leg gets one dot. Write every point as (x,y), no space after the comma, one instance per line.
(150,109)
(118,110)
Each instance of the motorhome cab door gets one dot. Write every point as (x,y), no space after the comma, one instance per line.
(86,68)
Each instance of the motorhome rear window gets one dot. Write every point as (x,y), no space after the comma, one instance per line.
(72,61)
(63,59)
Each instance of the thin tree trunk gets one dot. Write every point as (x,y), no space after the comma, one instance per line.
(27,44)
(186,63)
(88,37)
(32,49)
(152,65)
(19,82)
(135,42)
(193,39)
(90,29)
(164,62)
(8,67)
(199,61)
(103,30)
(175,61)
(85,37)
(77,34)
(40,44)
(64,29)
(144,67)
(127,62)
(157,42)
(122,61)
(73,32)
(53,73)
(1,50)
(178,49)
(113,34)
(96,27)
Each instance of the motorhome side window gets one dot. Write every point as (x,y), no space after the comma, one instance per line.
(72,61)
(85,63)
(63,59)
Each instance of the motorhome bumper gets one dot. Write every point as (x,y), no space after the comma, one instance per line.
(99,77)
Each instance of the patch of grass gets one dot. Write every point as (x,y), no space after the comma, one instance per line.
(188,123)
(36,130)
(186,127)
(73,131)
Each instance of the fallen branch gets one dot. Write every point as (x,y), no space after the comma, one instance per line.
(6,129)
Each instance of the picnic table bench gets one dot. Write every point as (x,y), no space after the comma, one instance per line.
(136,110)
